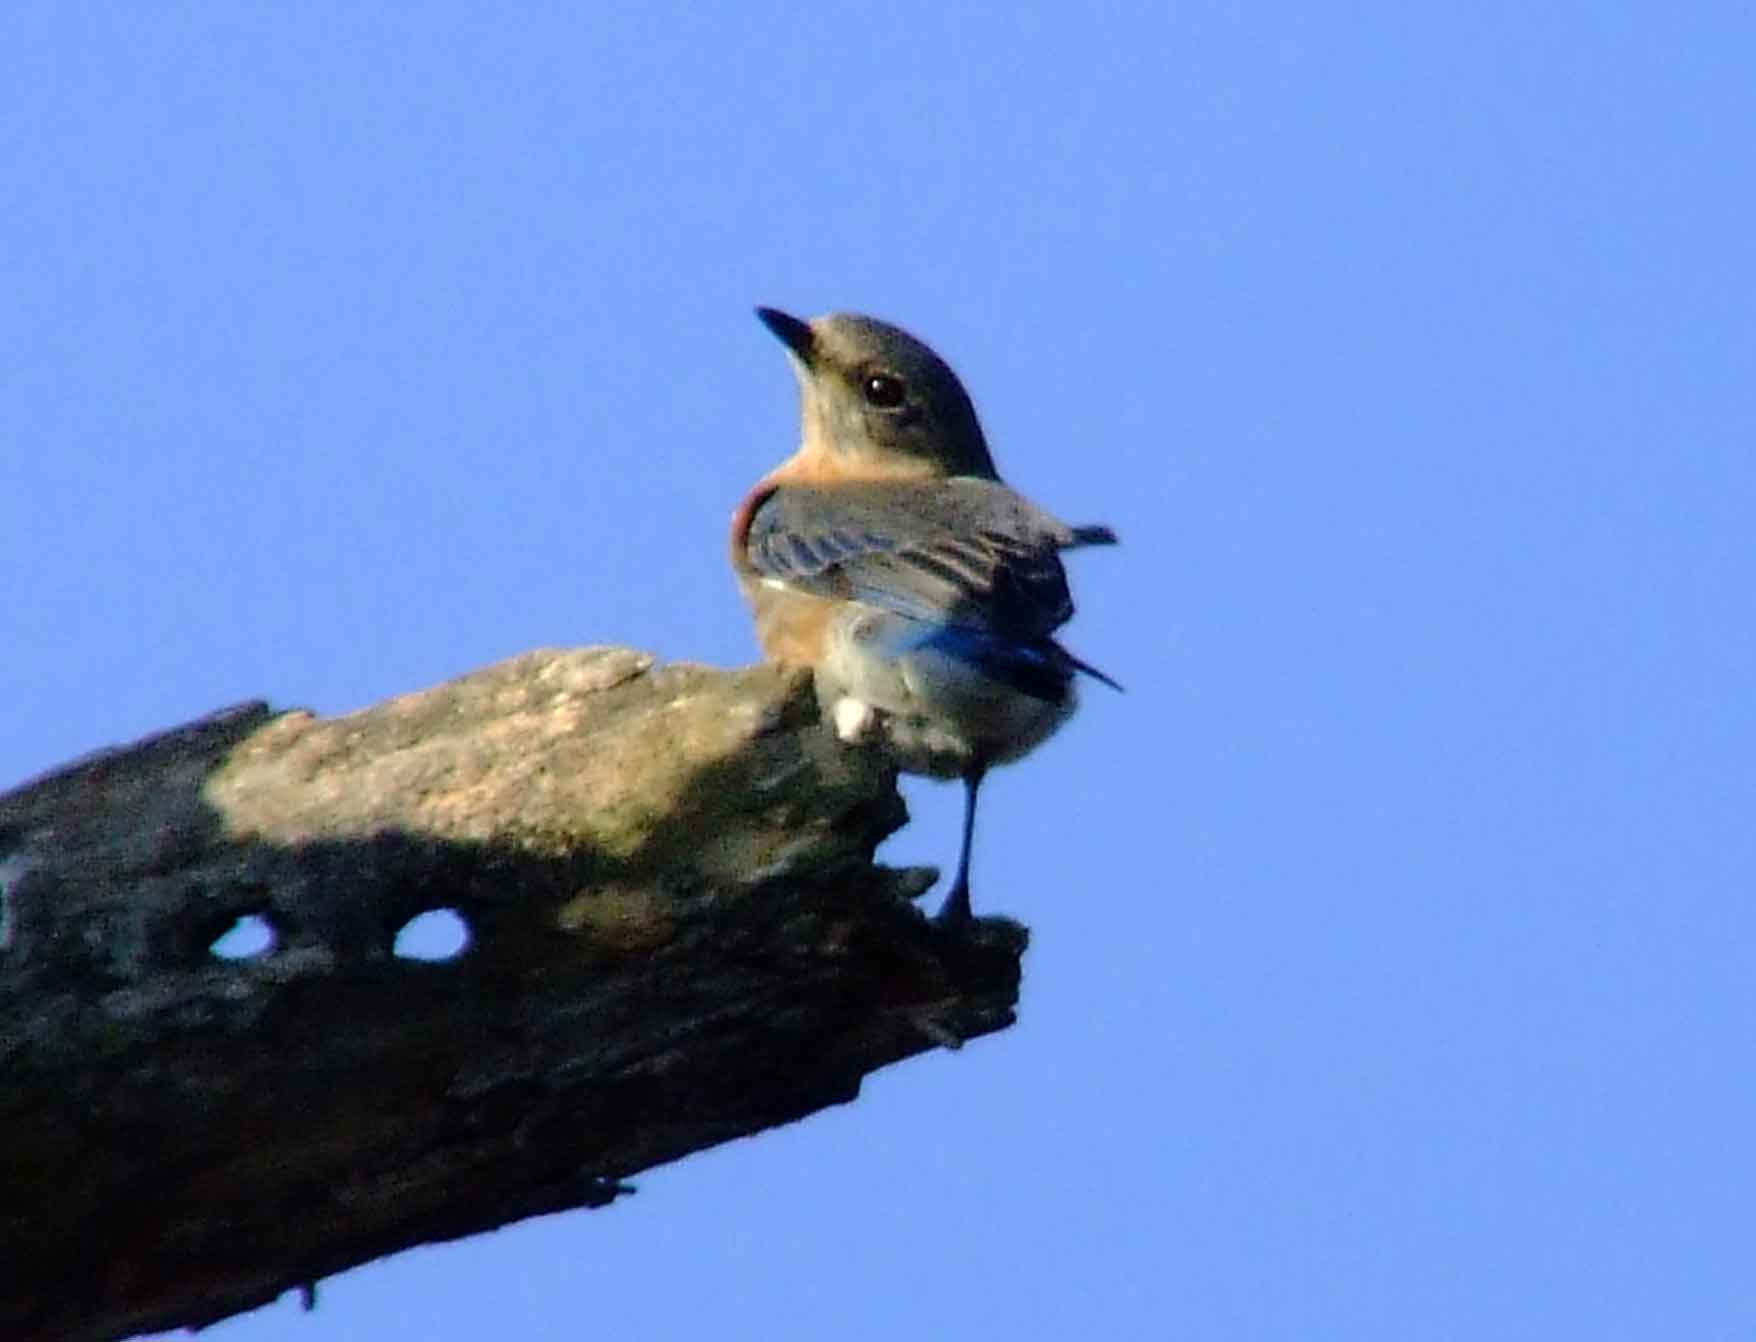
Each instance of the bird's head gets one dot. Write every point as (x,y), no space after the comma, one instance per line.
(880,399)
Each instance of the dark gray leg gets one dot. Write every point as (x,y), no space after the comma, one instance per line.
(956,908)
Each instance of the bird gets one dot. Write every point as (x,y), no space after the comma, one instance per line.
(887,555)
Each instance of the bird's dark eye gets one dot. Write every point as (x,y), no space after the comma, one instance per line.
(882,390)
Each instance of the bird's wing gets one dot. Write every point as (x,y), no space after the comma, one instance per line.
(964,552)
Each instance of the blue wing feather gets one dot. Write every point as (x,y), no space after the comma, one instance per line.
(968,553)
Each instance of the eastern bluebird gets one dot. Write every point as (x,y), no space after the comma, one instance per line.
(887,555)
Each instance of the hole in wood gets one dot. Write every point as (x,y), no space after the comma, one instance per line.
(437,934)
(250,936)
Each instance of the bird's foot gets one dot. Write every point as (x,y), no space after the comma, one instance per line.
(956,912)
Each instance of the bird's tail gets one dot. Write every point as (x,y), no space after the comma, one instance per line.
(1088,535)
(1079,664)
(1092,535)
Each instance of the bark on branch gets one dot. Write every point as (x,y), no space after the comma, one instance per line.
(677,937)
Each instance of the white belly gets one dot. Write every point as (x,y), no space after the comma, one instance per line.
(935,713)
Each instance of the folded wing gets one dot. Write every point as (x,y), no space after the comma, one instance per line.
(966,552)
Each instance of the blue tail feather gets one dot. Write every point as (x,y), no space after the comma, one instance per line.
(1041,668)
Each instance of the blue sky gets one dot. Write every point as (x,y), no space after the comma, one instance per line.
(1394,951)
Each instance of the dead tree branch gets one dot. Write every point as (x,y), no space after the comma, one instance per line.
(677,937)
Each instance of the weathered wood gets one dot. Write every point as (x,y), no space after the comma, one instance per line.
(678,937)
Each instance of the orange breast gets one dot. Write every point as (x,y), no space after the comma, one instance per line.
(791,626)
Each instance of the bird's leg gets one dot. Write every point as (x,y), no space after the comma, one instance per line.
(956,908)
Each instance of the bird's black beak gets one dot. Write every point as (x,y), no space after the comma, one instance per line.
(792,333)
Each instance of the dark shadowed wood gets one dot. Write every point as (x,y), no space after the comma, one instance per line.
(678,937)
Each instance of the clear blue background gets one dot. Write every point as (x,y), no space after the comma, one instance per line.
(1394,957)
